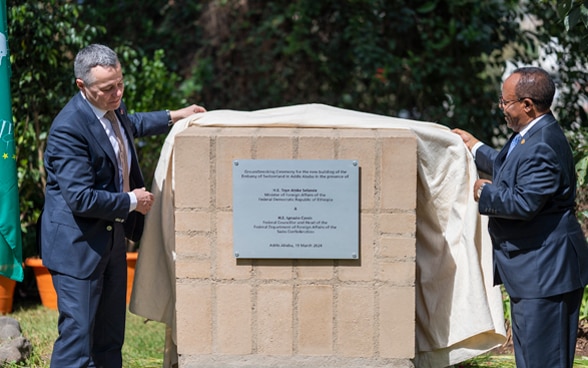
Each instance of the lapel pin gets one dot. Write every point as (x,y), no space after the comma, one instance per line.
(523,141)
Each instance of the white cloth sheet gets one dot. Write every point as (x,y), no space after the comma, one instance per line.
(459,313)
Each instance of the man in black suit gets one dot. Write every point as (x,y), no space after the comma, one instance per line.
(540,252)
(94,199)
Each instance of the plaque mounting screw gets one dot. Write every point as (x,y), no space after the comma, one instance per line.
(236,163)
(354,163)
(353,255)
(237,254)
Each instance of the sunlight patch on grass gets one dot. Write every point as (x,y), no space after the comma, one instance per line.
(143,348)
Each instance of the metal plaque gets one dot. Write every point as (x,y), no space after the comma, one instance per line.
(296,209)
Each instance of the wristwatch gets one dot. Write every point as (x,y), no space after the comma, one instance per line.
(170,122)
(480,189)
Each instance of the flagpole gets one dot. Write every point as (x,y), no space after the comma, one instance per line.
(10,232)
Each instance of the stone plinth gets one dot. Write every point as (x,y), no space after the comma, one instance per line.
(293,312)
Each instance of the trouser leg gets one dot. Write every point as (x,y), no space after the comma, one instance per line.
(545,330)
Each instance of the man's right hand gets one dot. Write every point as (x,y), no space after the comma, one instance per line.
(466,137)
(144,200)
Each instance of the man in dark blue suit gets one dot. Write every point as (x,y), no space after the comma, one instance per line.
(540,251)
(94,199)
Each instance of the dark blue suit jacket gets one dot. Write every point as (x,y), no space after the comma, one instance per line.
(83,204)
(539,247)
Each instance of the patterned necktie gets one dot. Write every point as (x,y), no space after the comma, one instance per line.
(516,140)
(122,151)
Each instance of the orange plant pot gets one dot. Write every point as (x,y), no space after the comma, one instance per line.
(45,283)
(6,294)
(131,264)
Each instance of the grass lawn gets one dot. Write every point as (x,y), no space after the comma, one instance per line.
(144,342)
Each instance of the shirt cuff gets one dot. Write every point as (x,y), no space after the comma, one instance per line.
(133,199)
(475,148)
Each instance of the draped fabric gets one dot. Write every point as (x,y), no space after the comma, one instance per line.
(458,312)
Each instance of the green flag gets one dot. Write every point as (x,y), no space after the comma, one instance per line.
(10,236)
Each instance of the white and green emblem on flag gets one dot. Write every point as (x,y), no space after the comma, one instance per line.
(10,235)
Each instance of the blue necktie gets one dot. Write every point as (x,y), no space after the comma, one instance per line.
(513,143)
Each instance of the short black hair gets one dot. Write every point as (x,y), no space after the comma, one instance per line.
(536,84)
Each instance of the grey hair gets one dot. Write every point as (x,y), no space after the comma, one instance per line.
(90,57)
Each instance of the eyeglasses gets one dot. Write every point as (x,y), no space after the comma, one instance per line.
(503,104)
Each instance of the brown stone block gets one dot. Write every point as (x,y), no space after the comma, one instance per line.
(233,145)
(194,318)
(233,319)
(356,321)
(399,173)
(397,321)
(274,313)
(315,320)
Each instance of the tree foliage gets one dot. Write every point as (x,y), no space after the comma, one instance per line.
(44,37)
(41,60)
(431,60)
(571,52)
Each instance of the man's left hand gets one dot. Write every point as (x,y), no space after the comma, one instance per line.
(185,112)
(477,185)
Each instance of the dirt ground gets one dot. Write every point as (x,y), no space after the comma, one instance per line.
(582,343)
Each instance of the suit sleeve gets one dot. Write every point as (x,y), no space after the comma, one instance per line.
(522,192)
(485,156)
(149,123)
